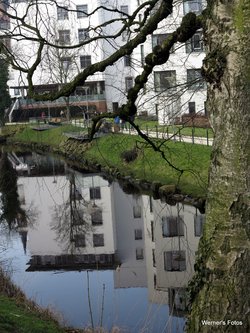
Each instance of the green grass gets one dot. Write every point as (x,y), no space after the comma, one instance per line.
(17,319)
(51,136)
(193,159)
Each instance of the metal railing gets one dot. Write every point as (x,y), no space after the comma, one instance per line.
(24,102)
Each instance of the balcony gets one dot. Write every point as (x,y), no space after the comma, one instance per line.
(26,103)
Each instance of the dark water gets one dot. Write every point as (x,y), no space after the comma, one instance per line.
(97,255)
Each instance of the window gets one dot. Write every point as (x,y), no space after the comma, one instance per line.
(192,6)
(175,261)
(95,193)
(142,55)
(139,254)
(83,34)
(4,24)
(115,106)
(151,204)
(66,62)
(159,39)
(178,300)
(80,240)
(152,231)
(62,13)
(172,226)
(164,80)
(78,216)
(191,107)
(85,61)
(194,79)
(64,36)
(82,11)
(157,110)
(195,44)
(199,221)
(155,281)
(96,217)
(127,60)
(138,234)
(137,211)
(125,35)
(98,240)
(153,256)
(124,10)
(128,83)
(16,91)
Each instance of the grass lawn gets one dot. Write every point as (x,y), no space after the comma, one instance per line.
(193,159)
(51,136)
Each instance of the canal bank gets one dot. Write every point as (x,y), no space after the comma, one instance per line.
(181,176)
(21,315)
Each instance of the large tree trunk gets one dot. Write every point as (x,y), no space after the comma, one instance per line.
(220,289)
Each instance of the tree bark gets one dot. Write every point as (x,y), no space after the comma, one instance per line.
(219,291)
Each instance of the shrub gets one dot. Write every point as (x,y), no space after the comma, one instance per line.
(129,155)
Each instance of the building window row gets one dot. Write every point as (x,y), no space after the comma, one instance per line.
(63,12)
(194,44)
(164,80)
(66,62)
(82,11)
(64,37)
(80,240)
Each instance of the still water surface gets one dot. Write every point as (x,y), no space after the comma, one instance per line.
(97,255)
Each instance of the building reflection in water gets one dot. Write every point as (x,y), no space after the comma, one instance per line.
(86,222)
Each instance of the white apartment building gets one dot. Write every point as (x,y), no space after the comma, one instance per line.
(173,89)
(176,87)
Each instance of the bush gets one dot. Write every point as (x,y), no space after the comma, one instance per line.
(129,155)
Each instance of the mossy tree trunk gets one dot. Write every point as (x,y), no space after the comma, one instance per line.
(220,288)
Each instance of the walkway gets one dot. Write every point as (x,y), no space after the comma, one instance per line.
(162,135)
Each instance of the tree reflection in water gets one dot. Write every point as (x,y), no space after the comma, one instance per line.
(11,210)
(12,214)
(73,220)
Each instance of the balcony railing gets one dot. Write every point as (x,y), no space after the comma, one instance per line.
(25,102)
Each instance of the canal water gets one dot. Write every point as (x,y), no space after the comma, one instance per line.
(97,256)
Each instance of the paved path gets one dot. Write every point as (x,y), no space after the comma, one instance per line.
(163,135)
(177,137)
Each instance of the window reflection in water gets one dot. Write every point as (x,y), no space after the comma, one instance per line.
(85,222)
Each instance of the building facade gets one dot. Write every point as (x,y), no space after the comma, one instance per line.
(173,89)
